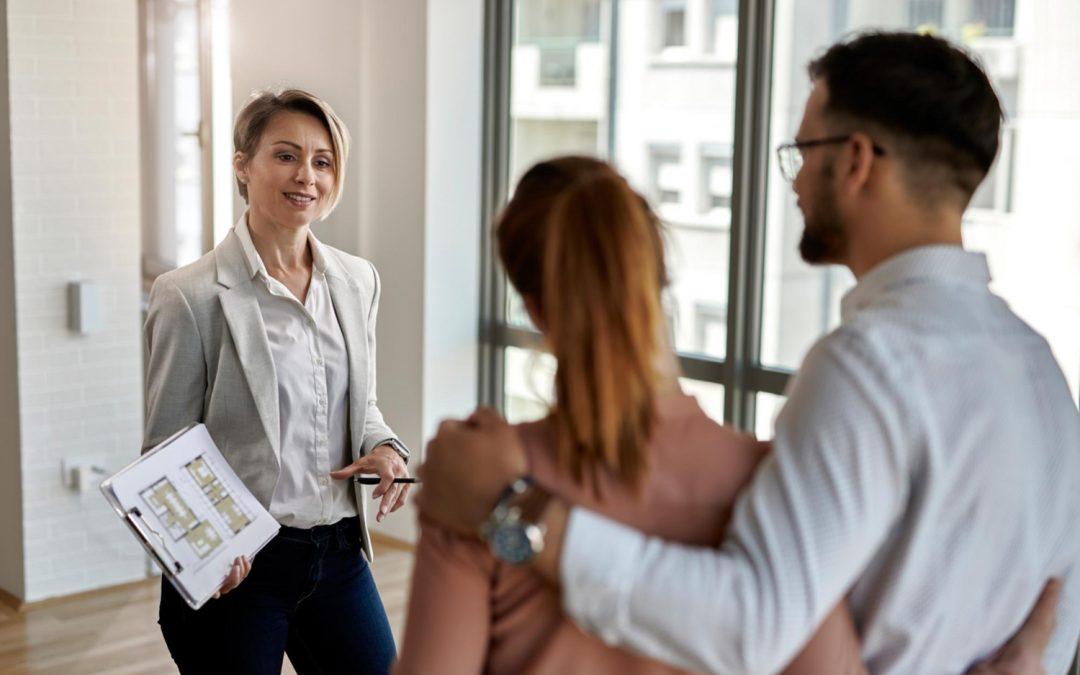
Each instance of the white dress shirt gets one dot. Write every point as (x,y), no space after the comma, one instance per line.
(312,367)
(926,465)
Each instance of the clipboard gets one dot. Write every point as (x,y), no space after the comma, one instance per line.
(190,512)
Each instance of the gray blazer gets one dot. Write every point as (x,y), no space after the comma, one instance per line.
(209,361)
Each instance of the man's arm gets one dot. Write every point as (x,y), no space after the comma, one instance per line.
(815,513)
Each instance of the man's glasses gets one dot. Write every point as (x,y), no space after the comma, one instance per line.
(790,155)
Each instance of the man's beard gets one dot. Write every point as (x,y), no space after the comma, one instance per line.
(824,237)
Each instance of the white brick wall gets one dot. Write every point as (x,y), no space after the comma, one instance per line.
(75,165)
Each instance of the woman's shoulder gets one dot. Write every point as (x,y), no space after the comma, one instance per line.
(192,280)
(360,269)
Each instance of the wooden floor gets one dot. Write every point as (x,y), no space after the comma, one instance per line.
(115,631)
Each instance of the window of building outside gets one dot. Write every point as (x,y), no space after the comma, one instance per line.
(669,126)
(672,26)
(1024,216)
(554,28)
(721,22)
(665,176)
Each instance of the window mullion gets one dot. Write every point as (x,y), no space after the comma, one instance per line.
(746,251)
(498,37)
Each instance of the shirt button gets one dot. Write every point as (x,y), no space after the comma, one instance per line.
(318,361)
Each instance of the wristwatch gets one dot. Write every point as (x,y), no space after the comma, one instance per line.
(512,531)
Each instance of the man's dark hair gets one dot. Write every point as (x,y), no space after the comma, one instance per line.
(932,99)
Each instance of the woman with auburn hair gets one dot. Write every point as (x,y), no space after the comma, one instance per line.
(269,340)
(585,252)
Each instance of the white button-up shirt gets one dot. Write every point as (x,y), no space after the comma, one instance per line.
(312,366)
(926,466)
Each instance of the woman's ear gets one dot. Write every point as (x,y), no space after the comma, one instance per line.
(239,163)
(533,308)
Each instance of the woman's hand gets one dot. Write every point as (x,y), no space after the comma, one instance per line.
(387,464)
(241,567)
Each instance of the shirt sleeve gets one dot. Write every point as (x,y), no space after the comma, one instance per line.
(812,517)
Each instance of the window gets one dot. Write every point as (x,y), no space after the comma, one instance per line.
(672,23)
(665,175)
(555,29)
(721,36)
(668,126)
(174,216)
(743,306)
(183,76)
(716,181)
(925,14)
(995,16)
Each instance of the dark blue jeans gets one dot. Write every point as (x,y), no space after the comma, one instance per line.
(310,594)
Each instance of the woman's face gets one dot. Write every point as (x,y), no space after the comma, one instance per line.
(291,175)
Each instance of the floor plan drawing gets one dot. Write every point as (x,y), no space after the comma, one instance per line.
(179,519)
(204,538)
(170,508)
(218,494)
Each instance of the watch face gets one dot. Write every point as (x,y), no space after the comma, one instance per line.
(511,542)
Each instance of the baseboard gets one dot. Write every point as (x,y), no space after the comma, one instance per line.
(22,607)
(392,542)
(10,601)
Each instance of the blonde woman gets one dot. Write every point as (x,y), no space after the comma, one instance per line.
(269,340)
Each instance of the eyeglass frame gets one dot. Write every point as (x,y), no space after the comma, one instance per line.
(798,146)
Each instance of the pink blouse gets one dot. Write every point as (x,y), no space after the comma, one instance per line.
(469,613)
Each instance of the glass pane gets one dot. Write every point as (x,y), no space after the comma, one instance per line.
(1023,216)
(529,377)
(766,407)
(670,128)
(709,395)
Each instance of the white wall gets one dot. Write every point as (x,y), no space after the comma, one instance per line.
(75,193)
(455,39)
(310,46)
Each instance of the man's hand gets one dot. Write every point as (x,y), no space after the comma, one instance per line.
(241,567)
(387,464)
(468,465)
(1022,655)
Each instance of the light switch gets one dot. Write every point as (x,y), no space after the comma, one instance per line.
(84,307)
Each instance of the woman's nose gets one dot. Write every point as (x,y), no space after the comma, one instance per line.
(305,175)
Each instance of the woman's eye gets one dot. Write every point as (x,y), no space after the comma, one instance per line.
(284,156)
(323,164)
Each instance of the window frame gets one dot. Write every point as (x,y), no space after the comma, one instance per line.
(741,372)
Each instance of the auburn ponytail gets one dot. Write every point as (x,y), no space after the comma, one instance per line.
(585,247)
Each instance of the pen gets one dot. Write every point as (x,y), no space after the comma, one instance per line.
(374,480)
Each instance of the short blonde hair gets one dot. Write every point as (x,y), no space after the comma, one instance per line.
(261,108)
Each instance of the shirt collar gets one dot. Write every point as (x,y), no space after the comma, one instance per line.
(937,263)
(254,262)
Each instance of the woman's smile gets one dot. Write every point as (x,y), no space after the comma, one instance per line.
(300,200)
